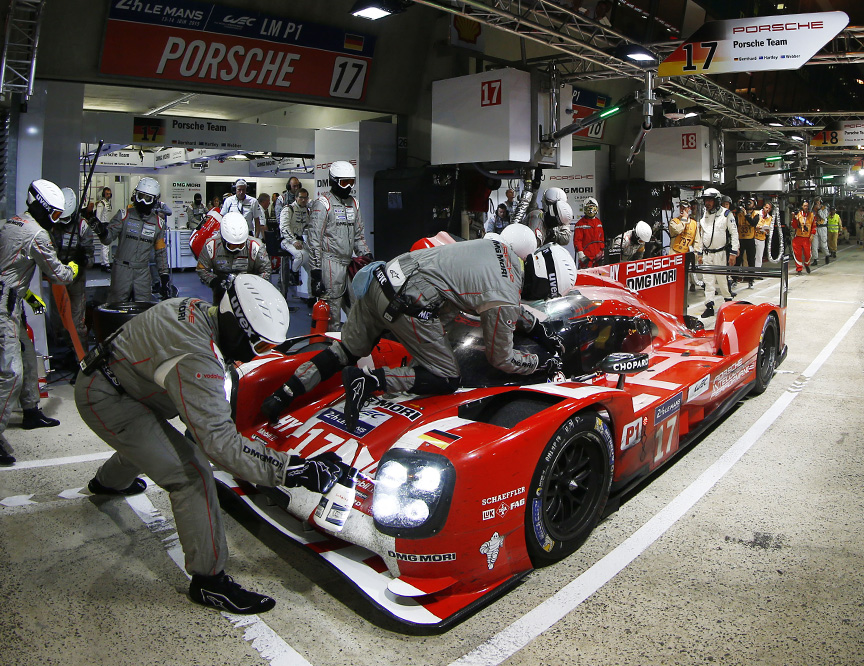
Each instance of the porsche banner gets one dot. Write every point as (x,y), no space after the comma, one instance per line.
(187,41)
(754,44)
(840,133)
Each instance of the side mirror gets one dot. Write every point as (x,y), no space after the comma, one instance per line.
(623,364)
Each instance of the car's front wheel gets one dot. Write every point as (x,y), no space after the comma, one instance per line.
(766,357)
(569,488)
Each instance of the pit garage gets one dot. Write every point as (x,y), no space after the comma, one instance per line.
(743,548)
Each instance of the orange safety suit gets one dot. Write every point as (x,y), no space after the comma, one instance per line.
(804,227)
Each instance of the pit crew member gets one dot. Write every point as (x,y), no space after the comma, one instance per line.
(716,226)
(139,231)
(248,207)
(552,223)
(415,297)
(630,245)
(804,226)
(230,253)
(25,245)
(170,361)
(588,237)
(334,235)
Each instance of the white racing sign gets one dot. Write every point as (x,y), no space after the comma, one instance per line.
(754,44)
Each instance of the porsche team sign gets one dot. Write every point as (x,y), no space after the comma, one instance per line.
(754,44)
(187,41)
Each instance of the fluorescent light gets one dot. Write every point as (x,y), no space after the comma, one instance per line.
(772,143)
(775,124)
(609,112)
(796,137)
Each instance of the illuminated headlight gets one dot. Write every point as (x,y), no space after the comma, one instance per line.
(412,493)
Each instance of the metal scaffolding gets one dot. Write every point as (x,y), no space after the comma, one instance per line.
(18,66)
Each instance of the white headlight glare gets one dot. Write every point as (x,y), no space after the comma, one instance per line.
(427,479)
(392,475)
(416,512)
(385,507)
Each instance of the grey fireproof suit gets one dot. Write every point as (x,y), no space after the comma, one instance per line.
(560,233)
(24,245)
(168,363)
(478,277)
(335,234)
(130,271)
(75,245)
(216,260)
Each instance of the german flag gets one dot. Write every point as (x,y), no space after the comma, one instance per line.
(439,438)
(354,42)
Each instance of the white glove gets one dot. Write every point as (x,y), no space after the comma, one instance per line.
(581,256)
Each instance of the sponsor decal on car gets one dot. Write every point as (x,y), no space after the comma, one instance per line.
(368,421)
(545,541)
(395,408)
(633,433)
(731,376)
(667,409)
(439,438)
(491,549)
(422,557)
(698,388)
(600,425)
(488,514)
(503,496)
(287,423)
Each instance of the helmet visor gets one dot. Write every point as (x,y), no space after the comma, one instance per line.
(55,214)
(144,198)
(262,346)
(345,183)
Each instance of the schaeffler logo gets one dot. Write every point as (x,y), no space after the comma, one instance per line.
(779,27)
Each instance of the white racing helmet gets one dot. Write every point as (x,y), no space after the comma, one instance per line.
(643,231)
(342,178)
(549,272)
(234,229)
(71,203)
(493,236)
(590,207)
(711,193)
(45,202)
(253,318)
(554,195)
(564,212)
(147,190)
(520,238)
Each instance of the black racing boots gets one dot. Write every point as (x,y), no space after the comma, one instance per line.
(221,592)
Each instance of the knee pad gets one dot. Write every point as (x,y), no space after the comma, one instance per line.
(427,383)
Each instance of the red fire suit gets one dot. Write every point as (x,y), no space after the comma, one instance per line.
(589,241)
(805,227)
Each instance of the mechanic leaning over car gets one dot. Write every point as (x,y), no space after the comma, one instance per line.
(230,253)
(334,235)
(171,360)
(552,223)
(716,228)
(140,231)
(416,296)
(24,245)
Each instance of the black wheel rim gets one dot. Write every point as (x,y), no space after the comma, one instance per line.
(767,354)
(574,486)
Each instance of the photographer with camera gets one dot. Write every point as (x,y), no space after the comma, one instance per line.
(747,218)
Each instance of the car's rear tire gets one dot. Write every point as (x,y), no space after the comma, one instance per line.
(569,489)
(766,357)
(108,317)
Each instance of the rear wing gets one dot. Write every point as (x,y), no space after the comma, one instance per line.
(662,281)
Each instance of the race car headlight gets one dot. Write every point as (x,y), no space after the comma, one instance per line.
(412,493)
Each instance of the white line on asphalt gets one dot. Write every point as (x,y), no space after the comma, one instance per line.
(506,643)
(267,642)
(824,300)
(51,462)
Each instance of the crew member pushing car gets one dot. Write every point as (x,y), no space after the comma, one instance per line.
(171,360)
(416,296)
(552,223)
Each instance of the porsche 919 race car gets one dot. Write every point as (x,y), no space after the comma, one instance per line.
(462,495)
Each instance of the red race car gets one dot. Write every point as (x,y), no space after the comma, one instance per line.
(462,495)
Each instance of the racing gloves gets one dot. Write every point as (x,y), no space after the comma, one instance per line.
(546,338)
(551,364)
(35,302)
(74,268)
(278,403)
(318,288)
(317,474)
(165,280)
(359,386)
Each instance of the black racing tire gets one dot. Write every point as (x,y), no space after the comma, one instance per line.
(766,357)
(569,489)
(108,317)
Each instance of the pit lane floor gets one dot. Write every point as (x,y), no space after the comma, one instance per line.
(762,567)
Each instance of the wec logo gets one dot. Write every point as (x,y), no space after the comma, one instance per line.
(240,21)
